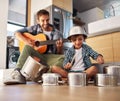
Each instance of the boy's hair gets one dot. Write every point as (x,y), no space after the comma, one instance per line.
(42,12)
(73,38)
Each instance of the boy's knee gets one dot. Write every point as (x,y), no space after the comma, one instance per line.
(55,68)
(59,70)
(91,71)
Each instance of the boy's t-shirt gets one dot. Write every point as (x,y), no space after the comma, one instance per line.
(78,64)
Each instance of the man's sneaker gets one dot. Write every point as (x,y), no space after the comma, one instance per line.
(15,78)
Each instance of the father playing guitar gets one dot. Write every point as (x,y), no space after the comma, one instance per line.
(51,57)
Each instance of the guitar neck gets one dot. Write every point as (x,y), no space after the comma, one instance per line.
(48,42)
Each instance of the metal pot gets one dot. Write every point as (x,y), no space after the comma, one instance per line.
(113,70)
(51,78)
(105,80)
(77,79)
(30,68)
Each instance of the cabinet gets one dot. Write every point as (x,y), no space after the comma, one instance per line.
(108,45)
(116,46)
(64,4)
(91,15)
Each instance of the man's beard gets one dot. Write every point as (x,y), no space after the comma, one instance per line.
(45,27)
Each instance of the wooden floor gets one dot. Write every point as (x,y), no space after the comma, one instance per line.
(36,92)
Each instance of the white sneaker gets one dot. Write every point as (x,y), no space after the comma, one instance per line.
(15,78)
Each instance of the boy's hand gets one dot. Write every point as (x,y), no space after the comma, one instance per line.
(68,66)
(100,59)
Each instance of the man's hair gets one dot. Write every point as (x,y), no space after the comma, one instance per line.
(42,12)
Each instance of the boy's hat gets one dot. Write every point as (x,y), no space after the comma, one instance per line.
(77,30)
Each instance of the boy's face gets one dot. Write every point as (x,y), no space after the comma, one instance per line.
(44,21)
(77,41)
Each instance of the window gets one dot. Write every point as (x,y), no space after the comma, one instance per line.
(17,15)
(11,28)
(17,12)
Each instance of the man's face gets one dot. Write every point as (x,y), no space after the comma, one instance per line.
(43,21)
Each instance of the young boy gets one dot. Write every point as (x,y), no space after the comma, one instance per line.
(77,58)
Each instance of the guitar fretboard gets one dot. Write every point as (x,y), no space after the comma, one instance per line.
(48,42)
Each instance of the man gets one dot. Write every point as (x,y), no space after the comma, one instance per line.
(51,57)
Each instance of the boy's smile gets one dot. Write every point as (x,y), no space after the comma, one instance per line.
(77,42)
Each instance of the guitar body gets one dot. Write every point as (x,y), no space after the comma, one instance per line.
(38,37)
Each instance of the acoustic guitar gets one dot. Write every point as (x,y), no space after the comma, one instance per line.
(41,42)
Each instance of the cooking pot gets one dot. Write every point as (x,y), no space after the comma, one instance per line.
(113,70)
(30,68)
(51,78)
(77,79)
(105,80)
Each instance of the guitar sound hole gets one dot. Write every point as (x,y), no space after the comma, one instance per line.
(37,43)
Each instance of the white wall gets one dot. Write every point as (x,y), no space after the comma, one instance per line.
(3,31)
(37,5)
